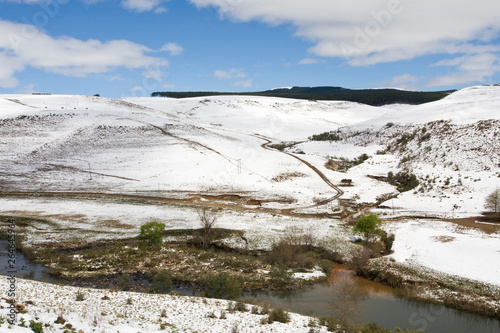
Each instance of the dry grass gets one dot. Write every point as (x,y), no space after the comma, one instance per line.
(444,239)
(287,176)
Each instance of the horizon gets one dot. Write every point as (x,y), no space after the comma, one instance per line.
(235,93)
(133,48)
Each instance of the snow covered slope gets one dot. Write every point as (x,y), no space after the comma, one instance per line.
(452,146)
(465,106)
(213,145)
(91,144)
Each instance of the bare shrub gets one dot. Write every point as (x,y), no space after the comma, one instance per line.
(80,296)
(360,260)
(289,255)
(493,201)
(295,235)
(345,299)
(208,219)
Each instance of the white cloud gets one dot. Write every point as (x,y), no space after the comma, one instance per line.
(244,84)
(155,74)
(375,31)
(141,6)
(405,78)
(230,74)
(172,48)
(469,69)
(138,6)
(9,66)
(30,88)
(26,1)
(24,46)
(404,82)
(308,61)
(160,10)
(167,86)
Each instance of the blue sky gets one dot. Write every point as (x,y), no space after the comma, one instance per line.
(135,47)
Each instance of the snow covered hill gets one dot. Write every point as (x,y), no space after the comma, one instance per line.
(158,145)
(214,145)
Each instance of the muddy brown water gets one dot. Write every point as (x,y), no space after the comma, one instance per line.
(379,305)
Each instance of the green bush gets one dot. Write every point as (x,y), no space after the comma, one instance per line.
(152,232)
(326,265)
(388,240)
(223,285)
(345,164)
(36,327)
(326,136)
(281,277)
(286,253)
(404,180)
(237,306)
(124,282)
(368,226)
(278,315)
(80,296)
(330,322)
(162,282)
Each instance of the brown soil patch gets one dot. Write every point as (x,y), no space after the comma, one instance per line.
(488,224)
(443,239)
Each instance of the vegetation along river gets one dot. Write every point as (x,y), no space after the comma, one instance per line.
(373,302)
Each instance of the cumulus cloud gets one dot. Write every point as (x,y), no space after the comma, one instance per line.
(243,84)
(143,5)
(366,32)
(230,74)
(24,46)
(404,81)
(172,48)
(28,89)
(470,68)
(138,6)
(308,61)
(405,78)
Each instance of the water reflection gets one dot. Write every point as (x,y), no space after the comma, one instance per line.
(380,306)
(24,267)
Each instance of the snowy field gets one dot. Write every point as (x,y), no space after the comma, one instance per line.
(448,248)
(90,219)
(128,312)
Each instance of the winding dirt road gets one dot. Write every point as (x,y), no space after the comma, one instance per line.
(312,167)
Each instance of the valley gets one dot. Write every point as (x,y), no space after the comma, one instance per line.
(80,175)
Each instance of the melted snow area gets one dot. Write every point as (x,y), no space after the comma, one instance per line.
(214,151)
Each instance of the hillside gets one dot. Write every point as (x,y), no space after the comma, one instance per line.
(224,145)
(374,97)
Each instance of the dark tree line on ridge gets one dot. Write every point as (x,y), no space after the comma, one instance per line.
(374,97)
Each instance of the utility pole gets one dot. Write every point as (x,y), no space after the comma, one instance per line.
(90,173)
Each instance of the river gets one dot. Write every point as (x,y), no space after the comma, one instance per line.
(376,303)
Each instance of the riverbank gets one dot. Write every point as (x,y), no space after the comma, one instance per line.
(87,310)
(428,285)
